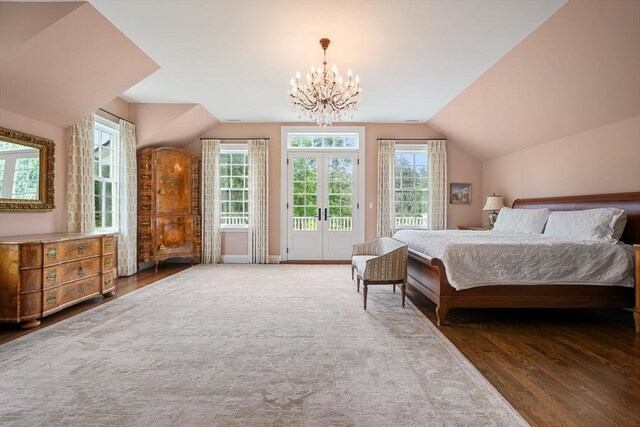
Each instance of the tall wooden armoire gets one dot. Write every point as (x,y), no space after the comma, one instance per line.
(169,224)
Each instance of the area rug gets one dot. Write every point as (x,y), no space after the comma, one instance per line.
(248,346)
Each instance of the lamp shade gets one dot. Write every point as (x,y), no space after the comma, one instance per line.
(494,203)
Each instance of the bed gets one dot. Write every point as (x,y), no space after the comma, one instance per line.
(428,274)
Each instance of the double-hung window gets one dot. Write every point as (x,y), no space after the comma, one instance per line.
(105,174)
(234,186)
(412,186)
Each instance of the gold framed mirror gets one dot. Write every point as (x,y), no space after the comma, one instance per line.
(26,172)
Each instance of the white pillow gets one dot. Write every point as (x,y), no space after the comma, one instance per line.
(618,228)
(589,224)
(522,221)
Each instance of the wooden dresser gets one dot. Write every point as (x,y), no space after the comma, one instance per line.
(40,275)
(168,205)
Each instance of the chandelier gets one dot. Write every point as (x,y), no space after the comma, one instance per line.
(325,97)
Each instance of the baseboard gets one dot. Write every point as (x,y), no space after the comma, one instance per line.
(274,259)
(235,259)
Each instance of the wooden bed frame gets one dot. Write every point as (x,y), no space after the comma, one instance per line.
(428,274)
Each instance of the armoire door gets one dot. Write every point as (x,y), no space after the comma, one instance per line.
(173,183)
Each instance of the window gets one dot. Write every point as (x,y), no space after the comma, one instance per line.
(105,174)
(234,186)
(333,140)
(19,171)
(412,186)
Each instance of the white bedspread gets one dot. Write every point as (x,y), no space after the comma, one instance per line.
(480,258)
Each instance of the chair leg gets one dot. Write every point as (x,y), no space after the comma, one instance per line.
(394,288)
(358,283)
(364,293)
(403,288)
(351,271)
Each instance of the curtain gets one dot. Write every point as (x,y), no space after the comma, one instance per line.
(80,203)
(437,218)
(258,201)
(127,201)
(211,233)
(386,187)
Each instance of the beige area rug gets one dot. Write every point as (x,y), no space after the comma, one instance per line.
(249,346)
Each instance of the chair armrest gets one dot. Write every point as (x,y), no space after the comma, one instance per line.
(390,266)
(366,248)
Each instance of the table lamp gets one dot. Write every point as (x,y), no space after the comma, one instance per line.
(494,204)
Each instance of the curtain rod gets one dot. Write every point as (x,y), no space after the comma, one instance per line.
(233,139)
(115,115)
(415,139)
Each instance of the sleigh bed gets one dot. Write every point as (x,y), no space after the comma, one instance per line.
(429,275)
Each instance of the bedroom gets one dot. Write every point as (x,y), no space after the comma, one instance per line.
(535,99)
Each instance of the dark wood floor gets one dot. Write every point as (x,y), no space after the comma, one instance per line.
(556,367)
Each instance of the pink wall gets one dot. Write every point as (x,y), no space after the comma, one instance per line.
(601,160)
(461,168)
(17,223)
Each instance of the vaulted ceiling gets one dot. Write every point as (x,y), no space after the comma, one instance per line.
(494,76)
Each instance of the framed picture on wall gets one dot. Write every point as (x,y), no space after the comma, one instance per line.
(459,193)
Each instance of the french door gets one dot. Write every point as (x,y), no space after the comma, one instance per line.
(322,205)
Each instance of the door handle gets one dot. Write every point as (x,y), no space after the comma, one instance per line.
(325,214)
(319,214)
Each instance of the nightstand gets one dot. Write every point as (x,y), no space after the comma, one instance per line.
(472,227)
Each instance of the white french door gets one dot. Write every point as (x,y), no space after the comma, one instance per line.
(322,205)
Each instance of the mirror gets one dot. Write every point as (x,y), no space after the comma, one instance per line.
(26,172)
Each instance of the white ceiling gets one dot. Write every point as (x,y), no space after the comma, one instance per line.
(236,57)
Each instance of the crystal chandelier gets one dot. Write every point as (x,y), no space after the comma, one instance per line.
(325,97)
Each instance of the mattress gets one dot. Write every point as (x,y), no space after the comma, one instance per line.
(483,258)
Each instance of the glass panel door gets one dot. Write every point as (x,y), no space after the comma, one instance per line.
(305,226)
(340,202)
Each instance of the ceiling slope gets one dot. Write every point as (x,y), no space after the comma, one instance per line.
(579,70)
(173,124)
(67,63)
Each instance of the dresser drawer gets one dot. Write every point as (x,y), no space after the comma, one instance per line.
(50,299)
(56,252)
(76,290)
(107,282)
(30,280)
(107,263)
(69,271)
(30,304)
(30,255)
(108,244)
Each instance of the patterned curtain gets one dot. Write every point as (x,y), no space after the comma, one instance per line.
(128,204)
(211,233)
(386,187)
(258,201)
(437,184)
(80,204)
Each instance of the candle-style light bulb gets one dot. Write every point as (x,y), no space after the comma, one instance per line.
(313,69)
(349,73)
(298,75)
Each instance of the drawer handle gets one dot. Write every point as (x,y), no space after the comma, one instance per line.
(145,223)
(107,281)
(107,262)
(145,166)
(80,287)
(144,208)
(162,191)
(146,187)
(80,272)
(52,275)
(107,244)
(51,299)
(52,253)
(81,249)
(145,197)
(144,176)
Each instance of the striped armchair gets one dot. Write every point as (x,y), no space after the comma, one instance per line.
(382,261)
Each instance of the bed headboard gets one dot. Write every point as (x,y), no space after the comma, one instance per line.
(630,202)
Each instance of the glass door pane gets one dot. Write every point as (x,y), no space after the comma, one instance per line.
(340,193)
(305,194)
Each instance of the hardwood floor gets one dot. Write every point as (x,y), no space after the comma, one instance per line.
(556,367)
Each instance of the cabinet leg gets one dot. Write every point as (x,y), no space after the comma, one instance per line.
(157,266)
(30,324)
(109,294)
